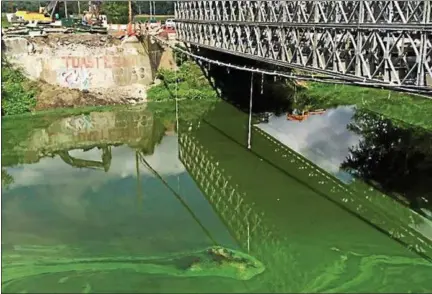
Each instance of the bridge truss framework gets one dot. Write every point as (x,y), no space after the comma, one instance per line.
(386,43)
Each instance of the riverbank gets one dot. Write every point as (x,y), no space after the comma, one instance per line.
(82,70)
(189,83)
(22,95)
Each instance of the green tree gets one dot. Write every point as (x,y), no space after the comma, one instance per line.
(397,159)
(118,12)
(13,6)
(162,7)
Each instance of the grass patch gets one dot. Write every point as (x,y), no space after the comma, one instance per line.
(187,83)
(65,112)
(394,105)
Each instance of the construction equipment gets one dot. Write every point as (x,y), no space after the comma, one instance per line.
(95,10)
(50,8)
(93,16)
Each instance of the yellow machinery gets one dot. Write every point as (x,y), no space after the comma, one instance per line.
(32,16)
(45,14)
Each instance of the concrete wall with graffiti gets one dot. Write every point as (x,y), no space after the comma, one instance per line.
(106,71)
(109,67)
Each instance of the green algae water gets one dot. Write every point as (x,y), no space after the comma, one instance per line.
(123,201)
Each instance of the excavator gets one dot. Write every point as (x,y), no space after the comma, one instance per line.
(93,17)
(49,9)
(93,14)
(45,14)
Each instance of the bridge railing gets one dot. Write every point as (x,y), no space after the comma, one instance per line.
(312,11)
(383,42)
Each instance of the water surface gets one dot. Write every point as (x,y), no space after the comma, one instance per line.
(89,200)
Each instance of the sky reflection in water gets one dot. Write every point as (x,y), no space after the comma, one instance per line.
(324,139)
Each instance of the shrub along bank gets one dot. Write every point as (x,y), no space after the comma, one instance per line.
(188,82)
(18,93)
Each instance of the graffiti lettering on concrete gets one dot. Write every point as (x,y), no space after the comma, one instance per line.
(75,78)
(108,61)
(129,74)
(78,123)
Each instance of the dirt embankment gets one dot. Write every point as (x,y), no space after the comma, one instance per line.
(53,96)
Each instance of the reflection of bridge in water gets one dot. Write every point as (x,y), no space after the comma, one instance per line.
(247,221)
(240,217)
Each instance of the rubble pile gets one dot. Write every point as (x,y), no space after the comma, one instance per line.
(85,45)
(39,28)
(34,30)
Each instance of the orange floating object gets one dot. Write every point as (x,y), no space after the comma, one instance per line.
(305,115)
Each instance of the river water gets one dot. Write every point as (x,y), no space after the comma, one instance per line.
(118,201)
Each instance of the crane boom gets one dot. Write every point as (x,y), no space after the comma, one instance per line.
(50,8)
(94,7)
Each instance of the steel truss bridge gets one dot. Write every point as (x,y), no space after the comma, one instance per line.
(380,43)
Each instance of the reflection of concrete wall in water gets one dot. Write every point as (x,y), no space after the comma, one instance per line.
(79,123)
(98,128)
(104,164)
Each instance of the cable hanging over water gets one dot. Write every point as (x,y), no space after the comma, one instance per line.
(250,113)
(176,93)
(185,205)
